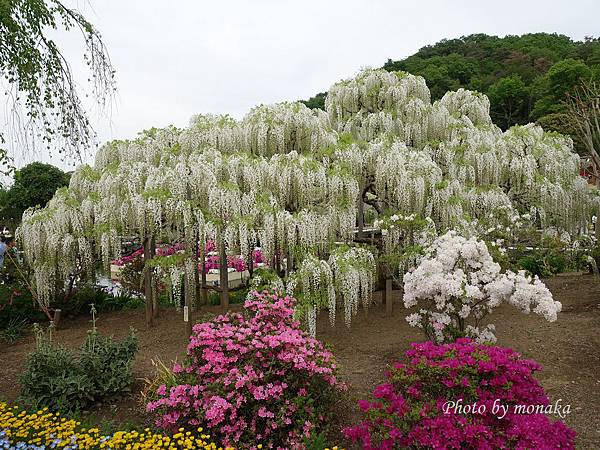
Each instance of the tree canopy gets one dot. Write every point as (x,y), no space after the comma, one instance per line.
(302,184)
(526,77)
(33,185)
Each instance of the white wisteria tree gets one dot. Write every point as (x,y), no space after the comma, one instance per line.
(303,185)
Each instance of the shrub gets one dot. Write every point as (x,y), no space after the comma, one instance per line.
(415,409)
(13,331)
(458,283)
(251,379)
(543,265)
(16,301)
(52,378)
(65,381)
(235,297)
(86,295)
(108,362)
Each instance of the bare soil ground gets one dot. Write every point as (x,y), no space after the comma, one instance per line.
(568,349)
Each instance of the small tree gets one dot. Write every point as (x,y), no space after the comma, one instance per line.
(34,185)
(583,106)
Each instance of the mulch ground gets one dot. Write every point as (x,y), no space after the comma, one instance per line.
(569,351)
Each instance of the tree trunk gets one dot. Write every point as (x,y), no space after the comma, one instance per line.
(388,297)
(203,289)
(361,214)
(223,274)
(251,263)
(148,252)
(56,318)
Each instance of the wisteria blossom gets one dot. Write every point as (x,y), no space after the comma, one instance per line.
(299,182)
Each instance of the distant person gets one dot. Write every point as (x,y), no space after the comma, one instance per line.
(3,249)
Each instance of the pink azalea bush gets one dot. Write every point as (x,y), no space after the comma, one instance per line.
(423,403)
(250,380)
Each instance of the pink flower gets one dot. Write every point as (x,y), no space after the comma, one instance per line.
(261,366)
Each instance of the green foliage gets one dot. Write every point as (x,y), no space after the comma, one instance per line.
(264,278)
(316,102)
(13,331)
(235,297)
(51,379)
(108,362)
(88,294)
(543,265)
(554,257)
(65,381)
(34,185)
(509,95)
(16,301)
(556,83)
(316,441)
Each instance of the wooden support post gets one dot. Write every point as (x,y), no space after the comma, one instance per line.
(148,243)
(223,274)
(388,297)
(187,310)
(56,318)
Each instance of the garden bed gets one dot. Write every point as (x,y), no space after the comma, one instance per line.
(567,349)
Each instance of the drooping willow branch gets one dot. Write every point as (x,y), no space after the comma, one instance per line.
(45,107)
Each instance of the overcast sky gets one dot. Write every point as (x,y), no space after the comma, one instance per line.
(174,59)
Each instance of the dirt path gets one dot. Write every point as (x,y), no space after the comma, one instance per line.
(568,349)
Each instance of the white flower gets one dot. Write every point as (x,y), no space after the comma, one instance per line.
(460,271)
(464,311)
(414,320)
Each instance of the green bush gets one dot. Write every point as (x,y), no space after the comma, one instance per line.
(235,297)
(52,378)
(67,381)
(545,263)
(13,330)
(108,362)
(16,303)
(88,294)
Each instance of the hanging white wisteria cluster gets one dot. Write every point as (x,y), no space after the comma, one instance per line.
(294,182)
(353,272)
(313,284)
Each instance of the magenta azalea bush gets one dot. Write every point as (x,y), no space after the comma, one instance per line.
(449,397)
(250,380)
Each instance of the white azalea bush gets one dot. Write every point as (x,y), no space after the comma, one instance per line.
(457,284)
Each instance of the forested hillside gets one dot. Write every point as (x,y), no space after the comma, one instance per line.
(526,77)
